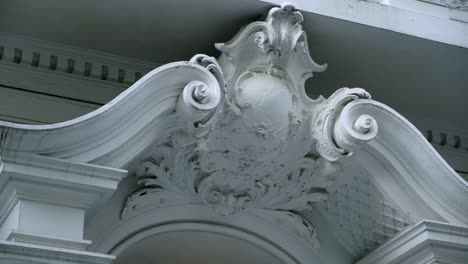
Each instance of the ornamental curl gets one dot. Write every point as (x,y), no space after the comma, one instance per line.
(200,98)
(223,199)
(353,128)
(337,127)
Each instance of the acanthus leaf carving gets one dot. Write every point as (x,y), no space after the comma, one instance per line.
(251,140)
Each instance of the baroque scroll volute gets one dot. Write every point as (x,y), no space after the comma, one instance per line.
(253,141)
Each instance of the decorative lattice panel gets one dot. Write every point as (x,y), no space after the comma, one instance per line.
(360,216)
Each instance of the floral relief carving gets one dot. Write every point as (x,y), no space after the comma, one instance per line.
(254,142)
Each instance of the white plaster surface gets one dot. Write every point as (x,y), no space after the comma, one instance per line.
(207,154)
(52,220)
(417,19)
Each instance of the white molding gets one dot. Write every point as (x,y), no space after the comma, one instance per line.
(14,252)
(415,166)
(23,237)
(44,179)
(423,22)
(75,73)
(52,197)
(425,242)
(119,130)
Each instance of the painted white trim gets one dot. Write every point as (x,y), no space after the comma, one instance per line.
(14,252)
(399,18)
(416,167)
(425,242)
(23,237)
(116,132)
(38,178)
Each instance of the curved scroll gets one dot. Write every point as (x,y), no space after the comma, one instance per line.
(198,101)
(119,130)
(431,188)
(336,130)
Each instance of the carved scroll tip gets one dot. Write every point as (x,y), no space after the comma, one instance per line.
(321,67)
(288,7)
(287,10)
(338,129)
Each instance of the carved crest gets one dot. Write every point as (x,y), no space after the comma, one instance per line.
(254,142)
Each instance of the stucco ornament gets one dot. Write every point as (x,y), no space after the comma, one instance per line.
(255,142)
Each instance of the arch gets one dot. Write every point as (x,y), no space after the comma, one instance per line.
(247,226)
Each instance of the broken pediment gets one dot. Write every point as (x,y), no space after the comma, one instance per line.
(238,137)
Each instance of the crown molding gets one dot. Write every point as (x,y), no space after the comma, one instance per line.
(15,252)
(425,242)
(54,181)
(23,237)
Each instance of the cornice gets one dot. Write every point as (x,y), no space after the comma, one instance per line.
(27,253)
(97,135)
(65,71)
(27,46)
(44,179)
(22,237)
(425,242)
(17,164)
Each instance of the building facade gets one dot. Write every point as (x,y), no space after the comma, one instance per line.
(239,158)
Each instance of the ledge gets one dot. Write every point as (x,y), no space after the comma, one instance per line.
(23,237)
(425,242)
(14,252)
(64,171)
(45,179)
